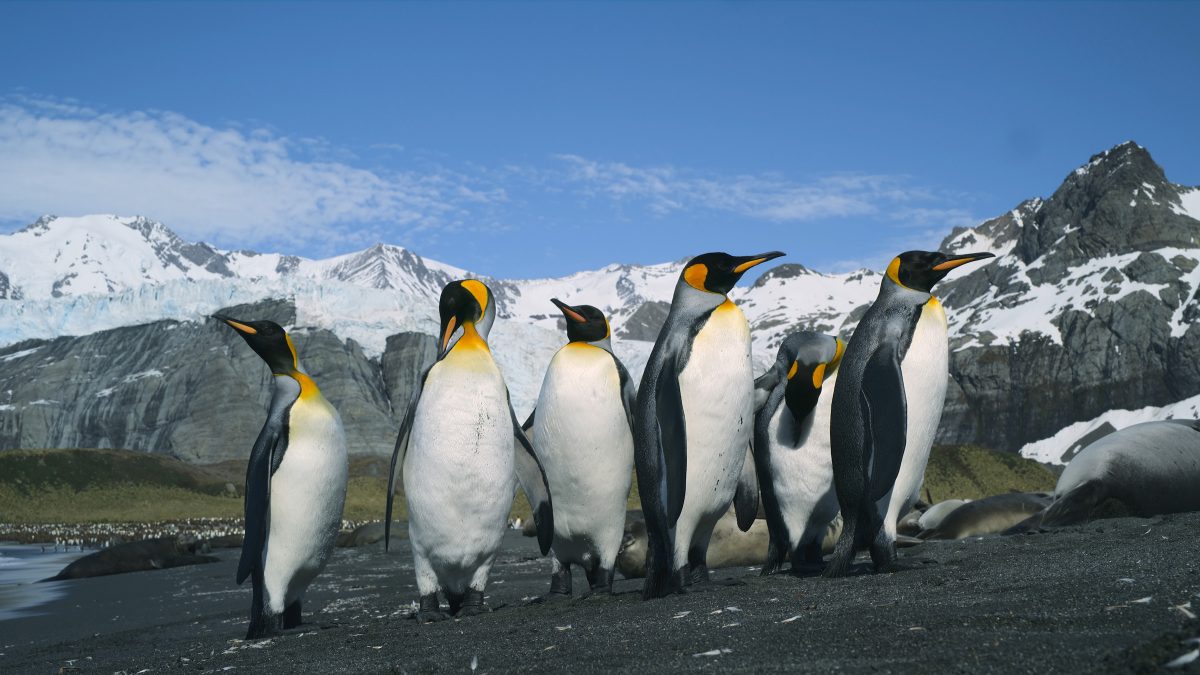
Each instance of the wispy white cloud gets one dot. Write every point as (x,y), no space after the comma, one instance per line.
(227,184)
(767,196)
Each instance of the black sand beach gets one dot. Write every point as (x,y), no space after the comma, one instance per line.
(1110,596)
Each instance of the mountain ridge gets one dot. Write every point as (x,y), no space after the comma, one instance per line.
(1088,306)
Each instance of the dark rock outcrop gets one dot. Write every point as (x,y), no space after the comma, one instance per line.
(193,390)
(1111,347)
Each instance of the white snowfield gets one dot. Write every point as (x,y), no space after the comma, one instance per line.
(1050,450)
(75,276)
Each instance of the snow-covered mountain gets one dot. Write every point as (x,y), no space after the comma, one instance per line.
(1088,306)
(76,276)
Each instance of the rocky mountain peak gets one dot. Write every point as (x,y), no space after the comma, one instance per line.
(1120,201)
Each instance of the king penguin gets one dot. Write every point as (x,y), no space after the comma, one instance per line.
(887,404)
(458,456)
(582,433)
(295,485)
(693,419)
(791,449)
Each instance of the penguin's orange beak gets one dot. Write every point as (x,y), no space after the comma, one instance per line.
(955,261)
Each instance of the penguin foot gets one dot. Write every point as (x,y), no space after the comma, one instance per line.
(560,582)
(699,576)
(429,611)
(432,617)
(679,582)
(473,605)
(806,569)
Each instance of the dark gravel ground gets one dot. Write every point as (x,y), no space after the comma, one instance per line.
(1110,596)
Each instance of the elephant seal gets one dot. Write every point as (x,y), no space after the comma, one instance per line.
(729,546)
(363,535)
(137,556)
(990,515)
(1143,470)
(934,515)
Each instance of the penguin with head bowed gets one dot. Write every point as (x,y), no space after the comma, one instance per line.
(791,449)
(582,433)
(887,404)
(692,421)
(295,485)
(457,452)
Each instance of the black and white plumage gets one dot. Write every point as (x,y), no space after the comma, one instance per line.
(295,485)
(693,419)
(791,448)
(582,433)
(887,404)
(457,452)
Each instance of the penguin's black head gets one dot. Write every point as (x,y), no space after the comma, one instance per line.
(463,304)
(816,358)
(719,272)
(268,340)
(920,270)
(584,322)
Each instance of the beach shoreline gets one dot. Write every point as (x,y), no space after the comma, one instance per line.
(1107,596)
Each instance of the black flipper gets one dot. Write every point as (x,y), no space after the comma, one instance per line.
(885,414)
(265,458)
(532,477)
(672,438)
(529,421)
(398,453)
(745,500)
(628,392)
(762,464)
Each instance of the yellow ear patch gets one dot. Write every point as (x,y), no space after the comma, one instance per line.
(292,349)
(478,290)
(794,368)
(696,275)
(242,327)
(837,353)
(818,376)
(893,272)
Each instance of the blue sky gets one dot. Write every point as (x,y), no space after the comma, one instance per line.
(523,140)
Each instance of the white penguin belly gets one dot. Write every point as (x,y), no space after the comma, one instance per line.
(581,435)
(308,491)
(717,387)
(803,474)
(925,368)
(458,470)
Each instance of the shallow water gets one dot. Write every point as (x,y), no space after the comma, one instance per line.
(21,566)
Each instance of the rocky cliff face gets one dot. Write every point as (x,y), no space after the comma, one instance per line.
(195,391)
(1092,305)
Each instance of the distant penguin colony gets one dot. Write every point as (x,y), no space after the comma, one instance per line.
(295,485)
(834,437)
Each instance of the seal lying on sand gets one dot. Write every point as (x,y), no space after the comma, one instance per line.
(990,515)
(1142,470)
(729,546)
(148,554)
